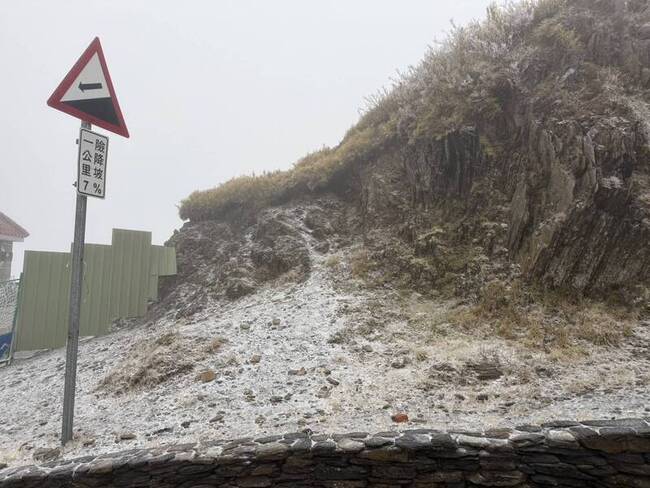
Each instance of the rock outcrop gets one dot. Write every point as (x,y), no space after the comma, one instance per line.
(522,144)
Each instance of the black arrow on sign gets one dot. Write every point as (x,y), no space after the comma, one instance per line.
(90,86)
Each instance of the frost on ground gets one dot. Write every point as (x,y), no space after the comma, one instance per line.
(326,354)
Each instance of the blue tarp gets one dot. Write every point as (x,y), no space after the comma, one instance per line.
(5,346)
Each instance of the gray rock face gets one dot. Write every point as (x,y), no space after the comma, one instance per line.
(555,178)
(603,453)
(569,205)
(233,259)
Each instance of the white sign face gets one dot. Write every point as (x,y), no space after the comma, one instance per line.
(93,156)
(89,84)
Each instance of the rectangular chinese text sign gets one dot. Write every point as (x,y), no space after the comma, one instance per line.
(93,155)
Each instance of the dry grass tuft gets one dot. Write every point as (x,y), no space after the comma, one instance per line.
(421,355)
(148,365)
(216,344)
(360,263)
(596,325)
(246,195)
(552,322)
(333,262)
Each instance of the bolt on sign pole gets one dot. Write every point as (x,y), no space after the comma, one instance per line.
(86,93)
(72,343)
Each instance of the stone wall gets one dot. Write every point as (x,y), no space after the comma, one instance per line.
(568,454)
(6,255)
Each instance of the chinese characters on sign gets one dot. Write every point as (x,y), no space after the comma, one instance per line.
(93,155)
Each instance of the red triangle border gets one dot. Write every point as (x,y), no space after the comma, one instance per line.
(55,99)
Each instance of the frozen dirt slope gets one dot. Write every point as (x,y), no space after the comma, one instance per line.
(326,354)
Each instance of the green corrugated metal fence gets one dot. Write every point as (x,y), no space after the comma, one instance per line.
(163,263)
(119,280)
(131,270)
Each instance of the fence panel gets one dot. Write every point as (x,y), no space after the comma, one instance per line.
(96,293)
(118,281)
(163,263)
(42,313)
(131,270)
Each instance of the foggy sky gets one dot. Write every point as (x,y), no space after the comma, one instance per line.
(209,90)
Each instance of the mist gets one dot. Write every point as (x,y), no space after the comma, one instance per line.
(209,91)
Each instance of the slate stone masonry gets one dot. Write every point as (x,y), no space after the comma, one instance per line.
(611,453)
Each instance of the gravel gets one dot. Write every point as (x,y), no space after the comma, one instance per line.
(269,379)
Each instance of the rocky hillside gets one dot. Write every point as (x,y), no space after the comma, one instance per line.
(517,148)
(473,254)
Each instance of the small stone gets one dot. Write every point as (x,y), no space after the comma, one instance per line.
(276,321)
(88,442)
(207,376)
(186,423)
(472,441)
(498,478)
(399,363)
(100,466)
(245,326)
(399,418)
(263,470)
(298,372)
(323,447)
(324,392)
(527,440)
(561,438)
(126,436)
(386,455)
(367,348)
(413,441)
(528,428)
(276,399)
(274,450)
(349,445)
(332,381)
(216,418)
(255,358)
(254,482)
(482,397)
(260,419)
(460,397)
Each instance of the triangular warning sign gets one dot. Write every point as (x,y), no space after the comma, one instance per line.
(87,92)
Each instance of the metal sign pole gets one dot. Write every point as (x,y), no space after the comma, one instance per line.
(72,345)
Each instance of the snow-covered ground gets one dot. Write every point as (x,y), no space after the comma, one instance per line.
(314,355)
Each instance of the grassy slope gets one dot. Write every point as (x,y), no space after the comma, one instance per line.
(467,80)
